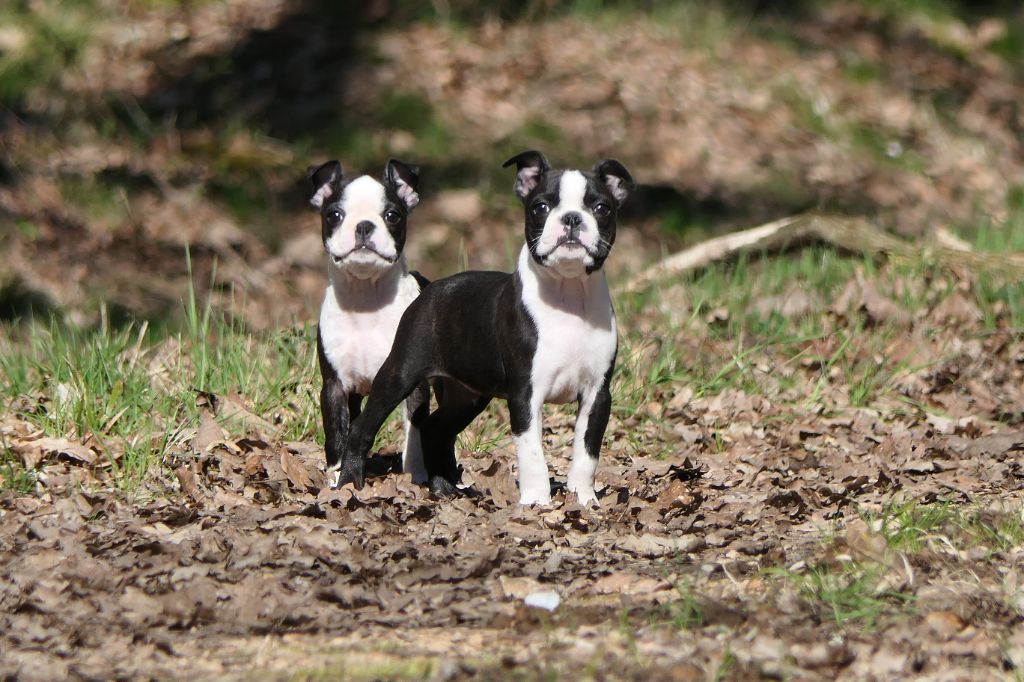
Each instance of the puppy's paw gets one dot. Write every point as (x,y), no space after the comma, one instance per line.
(332,475)
(442,487)
(527,498)
(351,474)
(586,496)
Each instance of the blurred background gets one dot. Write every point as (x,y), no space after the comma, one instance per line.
(132,128)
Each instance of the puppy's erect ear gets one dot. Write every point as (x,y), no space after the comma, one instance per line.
(531,166)
(403,179)
(616,178)
(326,181)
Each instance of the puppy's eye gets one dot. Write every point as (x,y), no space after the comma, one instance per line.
(333,217)
(391,217)
(602,210)
(540,210)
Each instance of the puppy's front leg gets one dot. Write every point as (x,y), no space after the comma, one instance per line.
(525,415)
(591,421)
(338,409)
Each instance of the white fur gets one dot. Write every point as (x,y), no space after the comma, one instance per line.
(363,199)
(358,321)
(580,479)
(576,341)
(406,193)
(526,180)
(412,451)
(534,485)
(572,188)
(617,187)
(321,195)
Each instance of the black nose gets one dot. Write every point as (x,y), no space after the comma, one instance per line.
(572,219)
(573,222)
(364,230)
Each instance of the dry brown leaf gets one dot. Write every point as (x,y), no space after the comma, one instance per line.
(35,451)
(296,471)
(208,433)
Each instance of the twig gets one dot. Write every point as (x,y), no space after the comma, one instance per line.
(850,234)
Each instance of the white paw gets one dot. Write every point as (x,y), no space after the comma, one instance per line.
(586,495)
(527,497)
(332,476)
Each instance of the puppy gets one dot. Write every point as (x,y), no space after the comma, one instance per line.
(363,227)
(542,334)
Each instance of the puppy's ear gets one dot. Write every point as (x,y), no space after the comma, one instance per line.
(616,178)
(326,181)
(403,179)
(531,166)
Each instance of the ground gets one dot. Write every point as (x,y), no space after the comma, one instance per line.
(812,469)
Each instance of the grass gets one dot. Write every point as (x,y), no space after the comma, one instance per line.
(685,612)
(41,41)
(906,525)
(853,592)
(132,392)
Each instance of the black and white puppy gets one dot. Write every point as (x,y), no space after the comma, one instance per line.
(542,334)
(364,224)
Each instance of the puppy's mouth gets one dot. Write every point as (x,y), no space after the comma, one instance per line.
(360,251)
(570,244)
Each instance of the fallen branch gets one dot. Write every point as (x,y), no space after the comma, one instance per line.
(850,234)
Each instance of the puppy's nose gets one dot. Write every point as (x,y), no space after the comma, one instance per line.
(363,230)
(572,219)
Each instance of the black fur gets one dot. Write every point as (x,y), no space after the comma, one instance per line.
(473,331)
(470,328)
(331,175)
(338,408)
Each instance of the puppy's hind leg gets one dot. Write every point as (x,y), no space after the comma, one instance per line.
(417,408)
(393,384)
(457,408)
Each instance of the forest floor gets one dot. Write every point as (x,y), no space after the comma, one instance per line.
(812,469)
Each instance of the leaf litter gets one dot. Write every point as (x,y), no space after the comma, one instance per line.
(233,560)
(244,552)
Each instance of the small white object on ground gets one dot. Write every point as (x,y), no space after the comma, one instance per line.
(545,599)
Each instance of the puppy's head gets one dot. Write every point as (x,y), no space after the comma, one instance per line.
(570,214)
(364,219)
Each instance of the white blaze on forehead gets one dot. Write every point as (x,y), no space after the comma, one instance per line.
(572,187)
(363,196)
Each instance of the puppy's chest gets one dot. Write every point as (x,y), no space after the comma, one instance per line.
(357,341)
(574,349)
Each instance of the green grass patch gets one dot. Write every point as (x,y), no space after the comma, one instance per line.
(906,525)
(133,392)
(998,298)
(686,612)
(997,531)
(850,593)
(41,40)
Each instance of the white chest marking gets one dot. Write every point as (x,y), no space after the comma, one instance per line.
(358,322)
(576,336)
